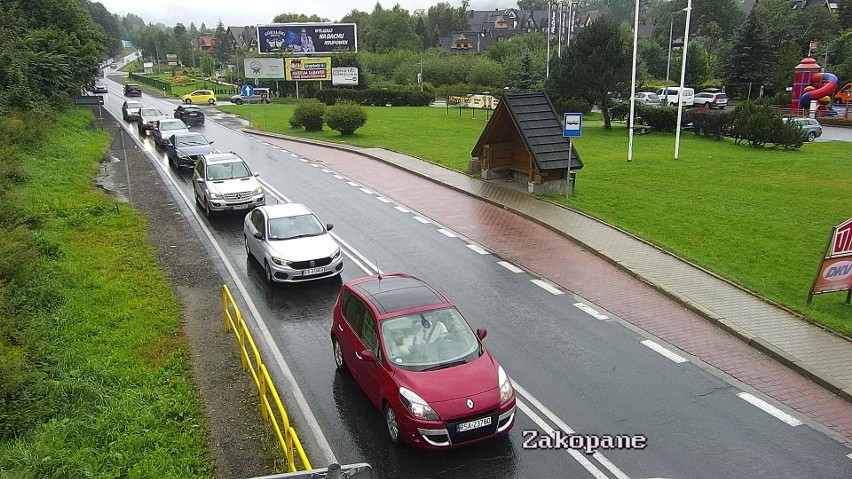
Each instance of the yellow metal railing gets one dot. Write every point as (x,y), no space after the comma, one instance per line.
(250,360)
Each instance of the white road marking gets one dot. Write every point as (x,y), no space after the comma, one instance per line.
(665,352)
(303,160)
(356,253)
(590,310)
(294,155)
(351,183)
(769,408)
(402,209)
(546,286)
(421,219)
(849,455)
(383,199)
(365,190)
(338,177)
(510,266)
(315,165)
(446,233)
(267,144)
(326,170)
(477,248)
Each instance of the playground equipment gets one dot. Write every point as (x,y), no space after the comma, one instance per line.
(811,85)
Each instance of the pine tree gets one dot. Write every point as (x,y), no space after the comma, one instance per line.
(844,12)
(751,54)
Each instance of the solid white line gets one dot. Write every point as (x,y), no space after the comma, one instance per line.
(383,199)
(769,408)
(421,219)
(478,249)
(272,190)
(351,183)
(338,177)
(665,352)
(400,208)
(365,190)
(593,312)
(510,266)
(446,233)
(355,252)
(546,286)
(310,419)
(577,455)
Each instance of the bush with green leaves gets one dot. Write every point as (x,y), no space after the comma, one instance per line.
(572,105)
(757,124)
(708,122)
(345,118)
(661,118)
(400,96)
(309,114)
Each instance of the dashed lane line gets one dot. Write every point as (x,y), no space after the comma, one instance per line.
(510,266)
(547,286)
(478,249)
(591,311)
(446,233)
(769,408)
(665,352)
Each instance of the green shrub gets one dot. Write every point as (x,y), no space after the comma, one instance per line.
(399,96)
(309,114)
(756,123)
(708,122)
(619,111)
(836,121)
(345,118)
(572,105)
(663,118)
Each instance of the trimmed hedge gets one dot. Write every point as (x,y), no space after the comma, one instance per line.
(661,118)
(836,121)
(377,97)
(709,122)
(345,118)
(309,114)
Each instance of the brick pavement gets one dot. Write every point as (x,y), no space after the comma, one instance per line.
(613,270)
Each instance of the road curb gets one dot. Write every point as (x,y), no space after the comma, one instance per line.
(758,343)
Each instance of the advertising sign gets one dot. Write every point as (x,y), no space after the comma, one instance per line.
(305,68)
(149,67)
(842,243)
(835,274)
(344,76)
(264,68)
(171,59)
(307,38)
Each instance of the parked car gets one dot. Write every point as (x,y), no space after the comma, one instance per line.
(844,95)
(200,96)
(130,110)
(148,119)
(648,98)
(100,86)
(711,99)
(417,360)
(224,182)
(291,243)
(261,95)
(132,89)
(669,96)
(166,128)
(185,149)
(114,64)
(190,114)
(811,129)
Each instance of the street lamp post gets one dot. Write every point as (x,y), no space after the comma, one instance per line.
(671,30)
(633,82)
(420,76)
(682,79)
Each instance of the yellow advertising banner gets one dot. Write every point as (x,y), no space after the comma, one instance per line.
(308,69)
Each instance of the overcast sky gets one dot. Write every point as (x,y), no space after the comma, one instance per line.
(253,12)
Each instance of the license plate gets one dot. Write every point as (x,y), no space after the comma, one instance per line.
(241,207)
(193,114)
(311,271)
(467,426)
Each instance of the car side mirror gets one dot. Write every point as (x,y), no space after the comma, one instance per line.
(200,181)
(481,333)
(329,226)
(258,235)
(367,355)
(257,174)
(211,142)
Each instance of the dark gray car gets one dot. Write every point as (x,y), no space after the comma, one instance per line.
(184,149)
(811,129)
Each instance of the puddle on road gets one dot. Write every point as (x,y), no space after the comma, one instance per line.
(112,178)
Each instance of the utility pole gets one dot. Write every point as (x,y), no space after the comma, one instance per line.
(420,77)
(682,79)
(549,33)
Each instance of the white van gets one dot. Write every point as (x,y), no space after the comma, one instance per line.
(670,97)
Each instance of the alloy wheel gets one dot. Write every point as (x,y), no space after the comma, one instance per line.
(245,242)
(268,270)
(393,426)
(338,354)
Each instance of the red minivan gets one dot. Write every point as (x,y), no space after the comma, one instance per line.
(417,359)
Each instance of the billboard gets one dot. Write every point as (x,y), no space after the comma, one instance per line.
(264,67)
(306,68)
(344,76)
(835,274)
(171,59)
(307,38)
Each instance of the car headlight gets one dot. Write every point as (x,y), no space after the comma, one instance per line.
(258,191)
(215,196)
(280,261)
(336,254)
(418,408)
(506,389)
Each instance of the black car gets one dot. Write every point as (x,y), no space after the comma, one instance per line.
(186,148)
(190,114)
(132,89)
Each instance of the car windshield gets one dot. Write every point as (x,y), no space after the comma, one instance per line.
(133,104)
(652,96)
(191,140)
(429,340)
(291,227)
(227,171)
(172,125)
(151,112)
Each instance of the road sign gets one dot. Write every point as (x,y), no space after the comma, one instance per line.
(572,125)
(89,100)
(247,90)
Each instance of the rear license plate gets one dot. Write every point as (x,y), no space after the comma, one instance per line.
(467,426)
(241,207)
(193,114)
(311,271)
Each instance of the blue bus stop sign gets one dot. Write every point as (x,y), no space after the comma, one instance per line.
(572,125)
(247,90)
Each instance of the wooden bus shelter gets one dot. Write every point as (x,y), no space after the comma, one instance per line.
(523,140)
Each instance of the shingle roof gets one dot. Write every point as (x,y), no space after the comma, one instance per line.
(541,129)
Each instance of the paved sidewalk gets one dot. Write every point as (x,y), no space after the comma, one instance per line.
(821,356)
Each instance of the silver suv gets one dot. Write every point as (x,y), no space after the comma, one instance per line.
(261,95)
(224,182)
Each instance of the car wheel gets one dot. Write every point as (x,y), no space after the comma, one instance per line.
(811,136)
(187,101)
(238,101)
(338,354)
(207,211)
(245,243)
(211,102)
(268,270)
(392,424)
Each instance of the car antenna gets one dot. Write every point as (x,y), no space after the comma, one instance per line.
(380,274)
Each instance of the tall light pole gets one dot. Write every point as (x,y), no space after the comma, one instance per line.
(633,81)
(420,75)
(561,29)
(682,79)
(549,32)
(671,29)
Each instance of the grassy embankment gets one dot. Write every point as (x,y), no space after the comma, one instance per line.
(759,217)
(94,371)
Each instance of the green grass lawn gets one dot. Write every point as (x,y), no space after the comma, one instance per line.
(759,217)
(109,392)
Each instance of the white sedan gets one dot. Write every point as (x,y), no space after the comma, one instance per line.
(291,243)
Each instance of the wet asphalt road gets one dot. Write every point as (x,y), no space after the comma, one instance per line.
(592,376)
